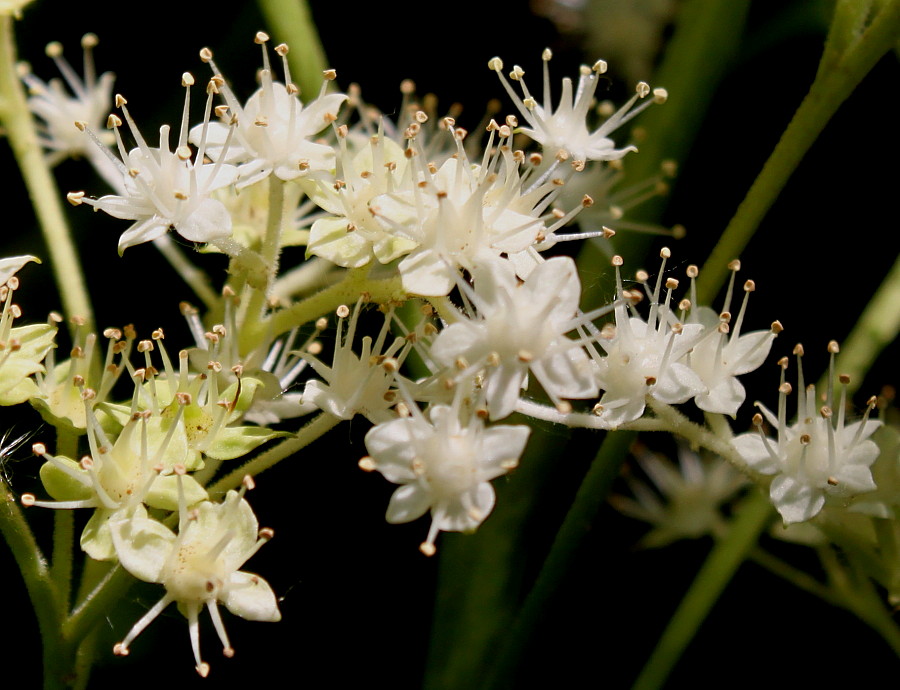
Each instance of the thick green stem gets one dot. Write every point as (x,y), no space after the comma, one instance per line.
(313,430)
(270,253)
(839,73)
(291,22)
(591,495)
(39,584)
(728,553)
(45,197)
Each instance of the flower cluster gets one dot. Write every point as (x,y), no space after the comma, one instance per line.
(449,234)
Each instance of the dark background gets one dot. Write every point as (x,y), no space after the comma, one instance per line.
(356,594)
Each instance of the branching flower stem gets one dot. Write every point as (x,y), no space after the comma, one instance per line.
(313,430)
(45,197)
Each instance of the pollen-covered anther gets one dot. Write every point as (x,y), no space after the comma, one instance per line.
(798,350)
(564,407)
(183,152)
(757,419)
(38,449)
(785,388)
(390,365)
(261,121)
(597,409)
(366,463)
(833,347)
(749,286)
(113,121)
(524,355)
(260,37)
(734,265)
(461,363)
(206,54)
(75,198)
(650,380)
(27,500)
(343,311)
(402,409)
(660,96)
(203,669)
(145,346)
(427,548)
(672,283)
(826,412)
(88,394)
(329,74)
(228,652)
(805,439)
(179,469)
(86,462)
(776,327)
(183,398)
(120,649)
(505,131)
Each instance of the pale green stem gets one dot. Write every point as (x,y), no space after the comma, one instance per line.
(727,554)
(45,197)
(324,302)
(97,603)
(291,22)
(313,430)
(876,328)
(39,584)
(196,279)
(796,577)
(839,73)
(64,529)
(270,253)
(860,596)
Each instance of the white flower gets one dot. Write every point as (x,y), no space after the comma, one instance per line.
(460,215)
(165,188)
(521,327)
(692,494)
(817,458)
(722,353)
(444,465)
(356,384)
(198,566)
(273,129)
(644,357)
(566,129)
(89,102)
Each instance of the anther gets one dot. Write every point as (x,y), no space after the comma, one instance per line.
(366,464)
(261,37)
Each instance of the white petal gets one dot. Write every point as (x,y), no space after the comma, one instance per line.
(249,596)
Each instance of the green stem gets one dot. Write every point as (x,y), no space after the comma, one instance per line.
(796,577)
(38,583)
(728,553)
(839,73)
(97,603)
(45,197)
(270,252)
(291,22)
(591,495)
(64,529)
(309,433)
(323,302)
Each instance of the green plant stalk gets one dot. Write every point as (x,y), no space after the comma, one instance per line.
(715,574)
(577,524)
(270,252)
(835,80)
(291,23)
(64,530)
(324,302)
(45,197)
(38,583)
(313,430)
